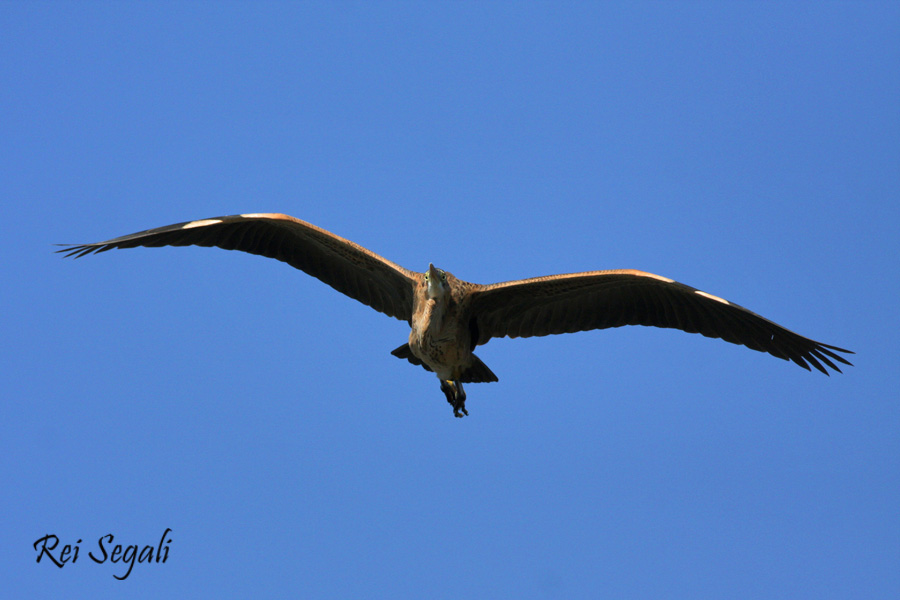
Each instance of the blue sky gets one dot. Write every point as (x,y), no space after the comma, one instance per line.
(749,150)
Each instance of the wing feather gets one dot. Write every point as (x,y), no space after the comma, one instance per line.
(342,264)
(602,299)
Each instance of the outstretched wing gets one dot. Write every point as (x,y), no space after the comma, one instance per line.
(347,267)
(602,299)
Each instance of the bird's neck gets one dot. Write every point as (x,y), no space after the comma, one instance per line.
(433,316)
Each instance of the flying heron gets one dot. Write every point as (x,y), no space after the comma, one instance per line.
(449,317)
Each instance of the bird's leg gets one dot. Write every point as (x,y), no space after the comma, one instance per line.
(460,399)
(456,396)
(447,388)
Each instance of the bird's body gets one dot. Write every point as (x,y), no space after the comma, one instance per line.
(440,336)
(436,340)
(436,336)
(449,317)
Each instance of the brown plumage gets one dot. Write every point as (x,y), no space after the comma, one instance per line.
(449,317)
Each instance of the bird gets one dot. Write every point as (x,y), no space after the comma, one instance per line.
(449,317)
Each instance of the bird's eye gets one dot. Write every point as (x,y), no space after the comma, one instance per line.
(443,277)
(426,276)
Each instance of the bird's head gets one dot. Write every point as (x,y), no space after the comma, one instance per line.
(436,286)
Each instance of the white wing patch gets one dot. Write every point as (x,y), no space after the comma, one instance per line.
(254,215)
(659,277)
(202,223)
(711,297)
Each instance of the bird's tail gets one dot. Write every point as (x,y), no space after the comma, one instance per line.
(476,372)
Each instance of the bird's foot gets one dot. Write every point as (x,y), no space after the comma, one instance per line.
(456,397)
(460,404)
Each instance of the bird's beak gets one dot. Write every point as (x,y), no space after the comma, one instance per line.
(434,282)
